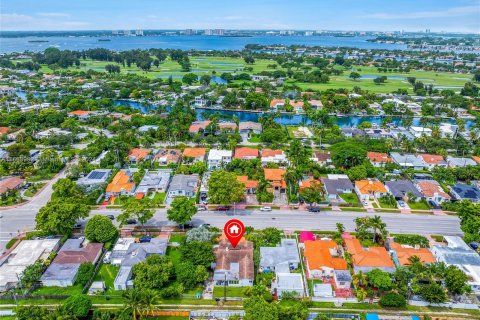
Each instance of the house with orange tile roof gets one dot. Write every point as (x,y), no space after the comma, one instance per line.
(403,252)
(432,191)
(251,186)
(192,155)
(277,104)
(276,179)
(232,126)
(432,160)
(196,126)
(166,156)
(476,159)
(80,114)
(277,156)
(10,183)
(322,258)
(122,184)
(4,131)
(246,153)
(307,183)
(139,154)
(369,189)
(378,159)
(366,259)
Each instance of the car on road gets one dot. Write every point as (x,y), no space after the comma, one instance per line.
(189,225)
(202,208)
(205,225)
(266,209)
(145,239)
(313,209)
(106,258)
(474,245)
(111,216)
(77,226)
(402,204)
(131,221)
(223,208)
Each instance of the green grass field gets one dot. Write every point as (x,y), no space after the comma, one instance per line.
(218,292)
(107,273)
(209,65)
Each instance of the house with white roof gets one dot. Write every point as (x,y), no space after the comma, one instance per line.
(218,158)
(417,132)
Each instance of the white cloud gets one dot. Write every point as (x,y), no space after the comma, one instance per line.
(452,12)
(22,22)
(53,14)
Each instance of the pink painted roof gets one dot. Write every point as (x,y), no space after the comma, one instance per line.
(306,235)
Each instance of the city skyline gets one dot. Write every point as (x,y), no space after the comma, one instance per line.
(371,15)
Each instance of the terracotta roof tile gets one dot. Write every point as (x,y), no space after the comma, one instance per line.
(194,152)
(378,157)
(367,257)
(405,252)
(368,186)
(318,255)
(246,153)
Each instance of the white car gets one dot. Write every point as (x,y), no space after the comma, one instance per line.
(265,209)
(106,258)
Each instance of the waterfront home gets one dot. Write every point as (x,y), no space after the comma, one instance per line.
(378,159)
(448,130)
(164,157)
(227,126)
(275,156)
(366,259)
(408,161)
(459,162)
(25,254)
(322,258)
(462,191)
(402,253)
(217,159)
(192,155)
(246,153)
(122,184)
(281,258)
(136,155)
(370,189)
(432,191)
(377,133)
(147,128)
(403,190)
(431,161)
(127,254)
(248,127)
(417,132)
(196,126)
(7,91)
(459,254)
(234,266)
(62,272)
(336,184)
(51,132)
(352,132)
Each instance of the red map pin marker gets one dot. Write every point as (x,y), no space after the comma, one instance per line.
(234,230)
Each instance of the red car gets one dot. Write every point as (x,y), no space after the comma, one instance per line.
(223,208)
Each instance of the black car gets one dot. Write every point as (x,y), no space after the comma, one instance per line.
(223,208)
(111,216)
(313,209)
(131,221)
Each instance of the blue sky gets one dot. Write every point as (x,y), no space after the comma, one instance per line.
(409,15)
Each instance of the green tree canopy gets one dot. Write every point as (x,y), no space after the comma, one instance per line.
(198,253)
(224,188)
(182,209)
(153,273)
(59,216)
(100,229)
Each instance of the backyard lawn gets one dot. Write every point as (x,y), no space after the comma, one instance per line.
(58,291)
(107,273)
(218,292)
(386,205)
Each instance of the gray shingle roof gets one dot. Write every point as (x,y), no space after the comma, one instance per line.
(400,188)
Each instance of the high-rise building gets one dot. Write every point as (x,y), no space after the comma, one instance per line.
(208,32)
(189,32)
(127,32)
(219,32)
(139,32)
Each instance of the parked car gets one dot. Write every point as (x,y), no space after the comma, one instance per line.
(265,209)
(474,245)
(223,208)
(145,239)
(402,204)
(202,208)
(111,216)
(131,221)
(205,225)
(106,258)
(313,209)
(77,226)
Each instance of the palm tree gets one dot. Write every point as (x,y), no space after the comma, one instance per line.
(359,279)
(133,302)
(377,224)
(149,299)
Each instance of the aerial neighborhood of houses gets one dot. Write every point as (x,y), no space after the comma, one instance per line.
(116,186)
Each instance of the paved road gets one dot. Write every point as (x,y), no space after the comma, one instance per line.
(302,220)
(22,218)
